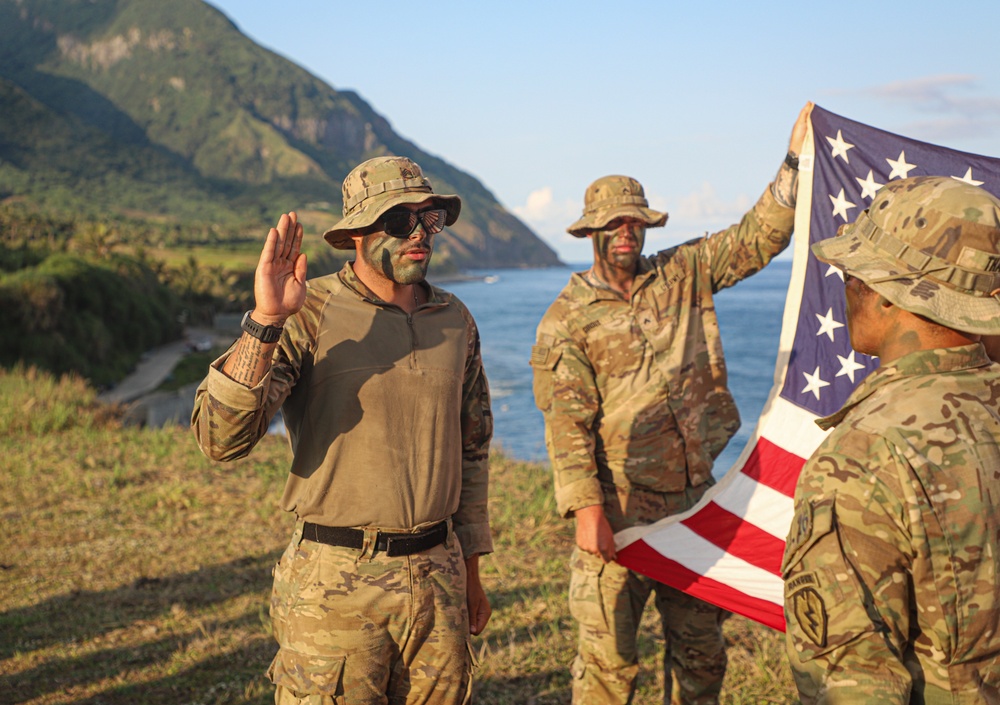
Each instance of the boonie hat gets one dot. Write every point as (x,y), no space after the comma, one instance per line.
(930,245)
(375,186)
(613,197)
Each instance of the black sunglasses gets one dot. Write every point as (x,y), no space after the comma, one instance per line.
(400,222)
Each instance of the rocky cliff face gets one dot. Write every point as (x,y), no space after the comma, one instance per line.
(175,85)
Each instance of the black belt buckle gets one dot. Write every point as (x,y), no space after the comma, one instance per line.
(392,544)
(408,544)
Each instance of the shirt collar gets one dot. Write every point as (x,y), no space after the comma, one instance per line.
(922,362)
(600,291)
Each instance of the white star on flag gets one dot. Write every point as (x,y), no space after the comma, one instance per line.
(968,178)
(869,187)
(848,366)
(728,549)
(899,166)
(840,147)
(827,324)
(840,205)
(814,383)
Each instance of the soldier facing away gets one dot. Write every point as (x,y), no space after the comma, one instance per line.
(630,377)
(381,384)
(891,564)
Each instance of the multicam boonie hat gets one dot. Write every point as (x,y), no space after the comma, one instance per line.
(930,245)
(375,186)
(613,197)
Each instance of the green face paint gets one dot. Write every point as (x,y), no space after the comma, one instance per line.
(402,261)
(621,246)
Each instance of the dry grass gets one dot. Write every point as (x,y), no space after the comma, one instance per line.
(133,570)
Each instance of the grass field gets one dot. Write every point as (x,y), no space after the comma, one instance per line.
(133,570)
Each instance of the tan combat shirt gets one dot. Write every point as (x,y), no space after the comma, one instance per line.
(388,414)
(634,391)
(892,561)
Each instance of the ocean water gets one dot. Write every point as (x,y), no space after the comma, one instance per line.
(508,304)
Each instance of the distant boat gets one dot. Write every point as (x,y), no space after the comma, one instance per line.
(491,279)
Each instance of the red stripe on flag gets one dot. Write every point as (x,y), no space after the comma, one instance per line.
(736,535)
(773,466)
(654,564)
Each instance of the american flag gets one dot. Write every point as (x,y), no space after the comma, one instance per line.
(727,550)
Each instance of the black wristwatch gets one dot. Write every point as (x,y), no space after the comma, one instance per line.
(792,160)
(265,334)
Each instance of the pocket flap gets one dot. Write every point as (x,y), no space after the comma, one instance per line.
(306,674)
(545,357)
(812,521)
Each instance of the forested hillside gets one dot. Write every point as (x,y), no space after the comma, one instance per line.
(165,112)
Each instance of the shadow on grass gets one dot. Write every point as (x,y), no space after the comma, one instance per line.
(82,617)
(546,688)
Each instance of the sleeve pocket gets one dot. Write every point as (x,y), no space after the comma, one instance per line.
(544,359)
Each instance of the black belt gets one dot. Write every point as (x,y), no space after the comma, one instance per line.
(390,544)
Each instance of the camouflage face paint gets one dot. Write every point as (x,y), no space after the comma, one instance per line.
(619,245)
(400,261)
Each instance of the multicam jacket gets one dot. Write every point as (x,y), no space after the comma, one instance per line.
(388,414)
(634,391)
(892,561)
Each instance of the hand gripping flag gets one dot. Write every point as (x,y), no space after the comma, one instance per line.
(727,550)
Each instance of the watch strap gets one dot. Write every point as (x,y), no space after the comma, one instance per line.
(265,334)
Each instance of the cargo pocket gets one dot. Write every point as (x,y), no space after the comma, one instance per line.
(471,666)
(295,568)
(586,601)
(303,675)
(544,359)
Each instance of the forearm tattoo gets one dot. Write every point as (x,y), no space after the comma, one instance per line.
(785,184)
(250,361)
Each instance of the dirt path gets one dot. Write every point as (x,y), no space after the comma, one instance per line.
(155,366)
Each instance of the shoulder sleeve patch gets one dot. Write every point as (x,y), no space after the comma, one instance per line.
(809,611)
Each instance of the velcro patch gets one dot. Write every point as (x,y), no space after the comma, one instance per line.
(810,614)
(539,354)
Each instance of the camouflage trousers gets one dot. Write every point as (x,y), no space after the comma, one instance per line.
(360,629)
(607,601)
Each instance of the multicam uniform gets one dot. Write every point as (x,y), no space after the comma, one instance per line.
(893,559)
(636,409)
(373,400)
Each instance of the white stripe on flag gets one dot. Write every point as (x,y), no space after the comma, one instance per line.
(791,427)
(767,509)
(705,558)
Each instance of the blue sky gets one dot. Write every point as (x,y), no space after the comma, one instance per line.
(696,100)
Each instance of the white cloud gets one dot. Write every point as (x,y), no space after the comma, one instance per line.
(693,215)
(955,99)
(926,93)
(549,218)
(541,207)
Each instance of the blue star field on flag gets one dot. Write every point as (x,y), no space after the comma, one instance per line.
(852,162)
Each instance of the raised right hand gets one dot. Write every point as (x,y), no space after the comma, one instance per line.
(279,285)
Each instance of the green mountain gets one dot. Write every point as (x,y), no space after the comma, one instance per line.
(166,112)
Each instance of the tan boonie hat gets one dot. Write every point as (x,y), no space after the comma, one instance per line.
(930,245)
(375,186)
(613,197)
